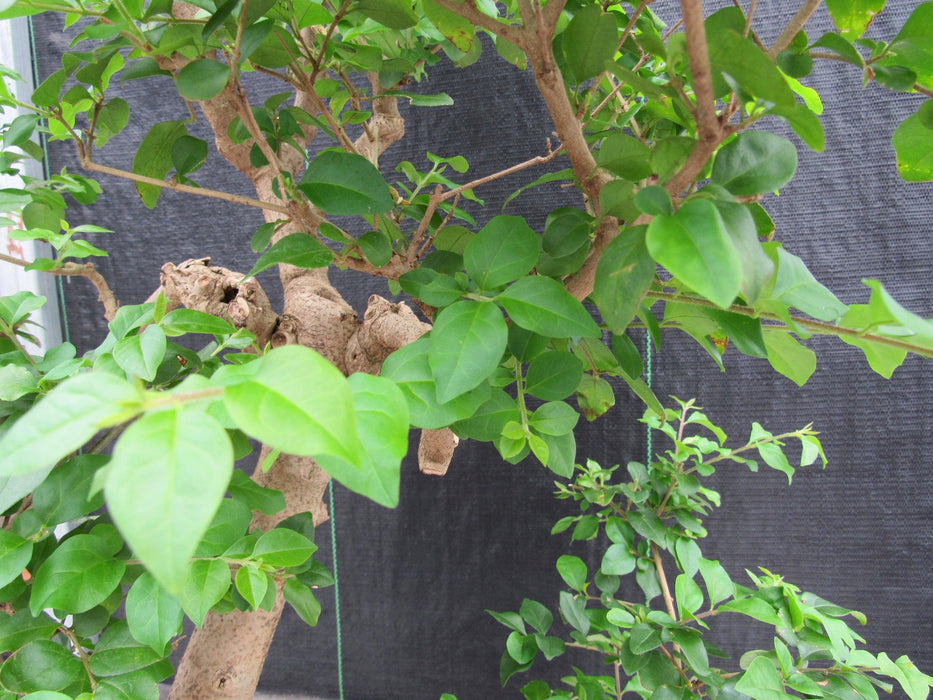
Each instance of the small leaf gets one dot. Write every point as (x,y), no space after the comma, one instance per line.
(457,29)
(141,354)
(623,274)
(589,42)
(40,665)
(755,162)
(202,79)
(207,582)
(80,574)
(252,584)
(553,375)
(346,184)
(283,548)
(181,321)
(298,249)
(466,346)
(853,16)
(154,157)
(789,357)
(153,614)
(302,599)
(15,553)
(542,305)
(912,144)
(504,250)
(573,570)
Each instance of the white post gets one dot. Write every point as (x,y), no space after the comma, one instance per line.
(16,53)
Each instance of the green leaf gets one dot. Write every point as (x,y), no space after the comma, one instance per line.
(757,267)
(40,665)
(618,560)
(19,629)
(589,42)
(208,582)
(154,158)
(346,184)
(912,48)
(302,599)
(644,638)
(63,421)
(80,574)
(117,653)
(202,79)
(913,144)
(543,306)
(695,246)
(16,381)
(688,595)
(252,584)
(376,247)
(753,607)
(521,647)
(466,346)
(153,614)
(789,357)
(624,273)
(737,60)
(755,162)
(573,570)
(256,497)
(188,154)
(504,250)
(141,354)
(16,307)
(744,331)
(853,16)
(795,286)
(654,201)
(574,612)
(490,418)
(554,418)
(536,615)
(408,367)
(297,402)
(382,422)
(396,14)
(298,249)
(431,287)
(15,553)
(625,156)
(283,548)
(164,485)
(553,375)
(181,321)
(457,29)
(510,619)
(565,243)
(761,680)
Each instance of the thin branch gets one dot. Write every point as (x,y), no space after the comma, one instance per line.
(178,187)
(537,160)
(88,270)
(468,10)
(812,326)
(707,123)
(795,25)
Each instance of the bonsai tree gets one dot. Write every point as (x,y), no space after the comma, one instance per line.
(662,131)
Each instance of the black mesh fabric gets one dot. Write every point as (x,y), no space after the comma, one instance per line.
(415,581)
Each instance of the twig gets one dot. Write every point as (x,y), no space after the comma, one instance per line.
(179,187)
(88,270)
(795,25)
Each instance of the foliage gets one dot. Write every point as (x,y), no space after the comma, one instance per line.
(653,128)
(654,519)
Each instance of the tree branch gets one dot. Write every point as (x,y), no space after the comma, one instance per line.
(468,10)
(795,25)
(86,270)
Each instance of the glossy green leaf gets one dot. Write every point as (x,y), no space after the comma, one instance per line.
(573,611)
(553,418)
(154,158)
(913,144)
(536,615)
(431,287)
(229,524)
(79,574)
(487,422)
(911,47)
(20,628)
(457,29)
(757,267)
(505,249)
(15,553)
(565,243)
(696,247)
(396,14)
(466,346)
(755,162)
(181,321)
(553,375)
(654,201)
(719,586)
(164,485)
(693,648)
(573,570)
(153,614)
(789,357)
(202,79)
(618,560)
(208,581)
(589,41)
(63,421)
(853,16)
(297,402)
(345,184)
(141,354)
(521,647)
(188,154)
(794,286)
(298,249)
(543,306)
(118,653)
(302,599)
(376,247)
(688,595)
(737,60)
(761,680)
(256,497)
(252,584)
(382,422)
(623,274)
(743,331)
(625,156)
(882,358)
(283,548)
(40,665)
(408,367)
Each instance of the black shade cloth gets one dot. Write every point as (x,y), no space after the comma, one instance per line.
(414,582)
